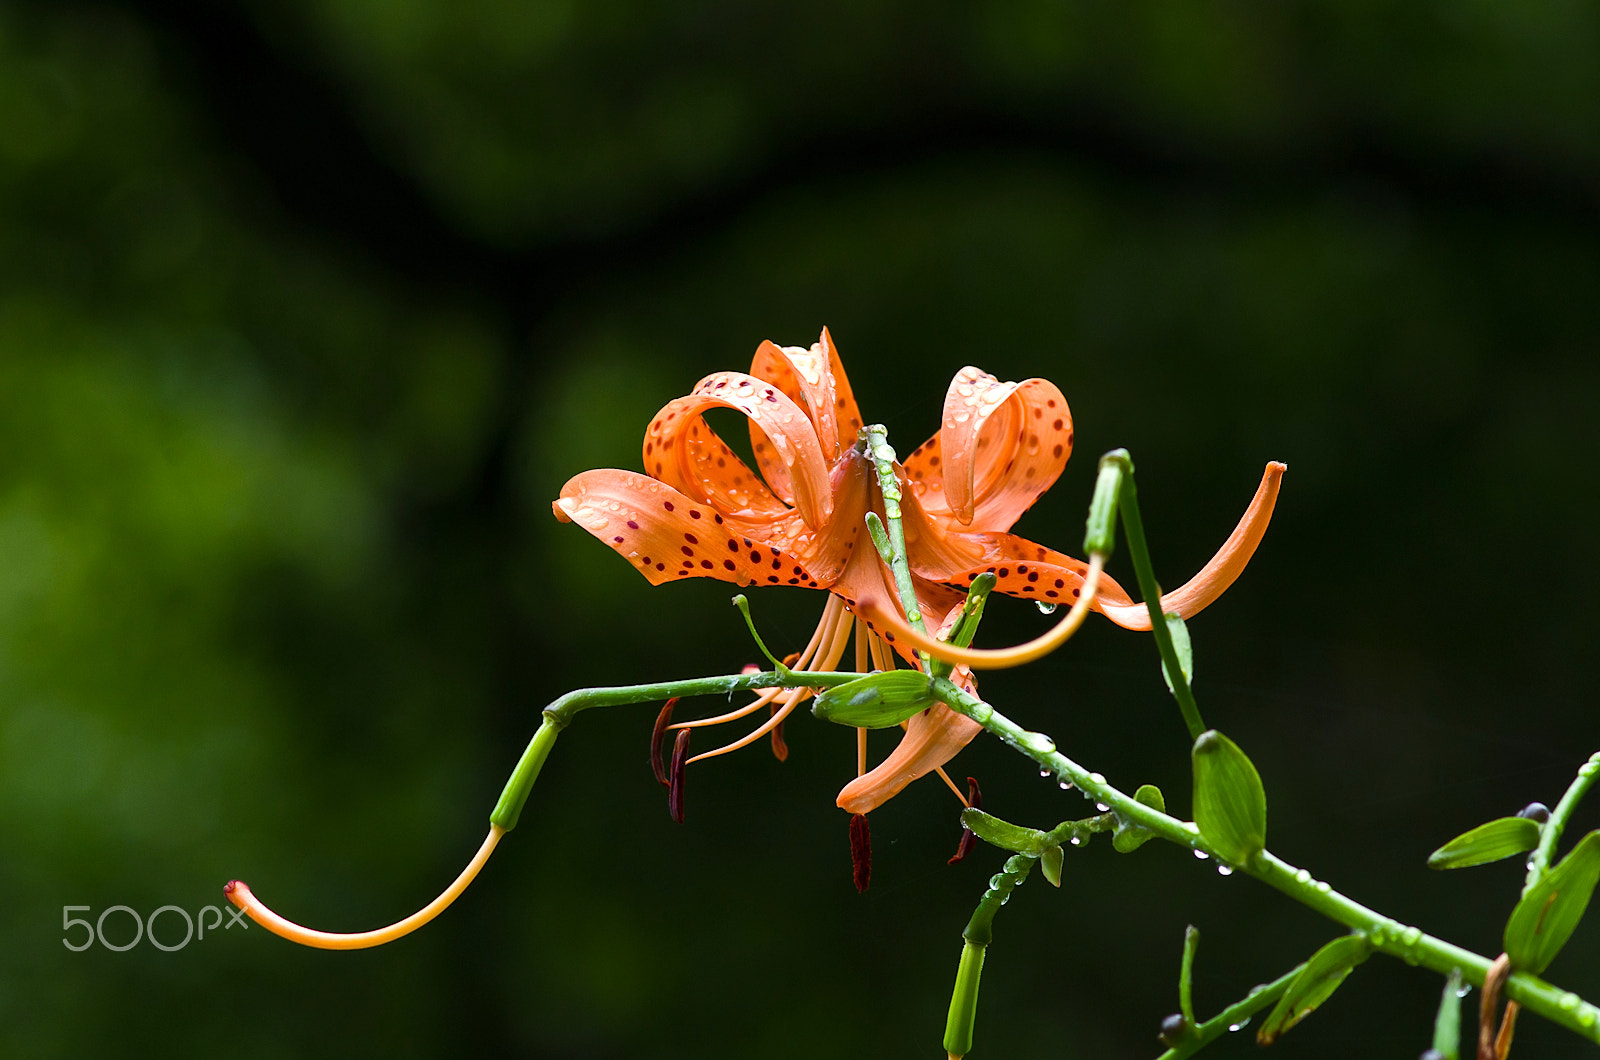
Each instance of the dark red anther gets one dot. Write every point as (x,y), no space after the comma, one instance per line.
(968,840)
(662,721)
(680,755)
(861,851)
(780,750)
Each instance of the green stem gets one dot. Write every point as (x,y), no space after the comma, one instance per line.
(1139,551)
(1398,940)
(1191,942)
(558,715)
(977,936)
(1550,831)
(882,456)
(1233,1017)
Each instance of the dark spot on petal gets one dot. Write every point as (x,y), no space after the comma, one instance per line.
(666,504)
(687,551)
(706,564)
(1033,576)
(728,563)
(618,540)
(1051,592)
(693,514)
(632,525)
(1056,452)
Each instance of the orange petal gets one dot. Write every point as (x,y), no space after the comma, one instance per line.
(668,536)
(932,738)
(1002,445)
(1215,577)
(1021,568)
(806,376)
(675,460)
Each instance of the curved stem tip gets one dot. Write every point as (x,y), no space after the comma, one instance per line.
(239,894)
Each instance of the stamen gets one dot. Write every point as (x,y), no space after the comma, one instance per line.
(655,741)
(860,852)
(974,799)
(825,627)
(780,749)
(794,696)
(680,751)
(861,752)
(239,894)
(952,784)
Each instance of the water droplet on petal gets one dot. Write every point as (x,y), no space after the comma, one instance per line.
(1045,607)
(1224,870)
(1201,854)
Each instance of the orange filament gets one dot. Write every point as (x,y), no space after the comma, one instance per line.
(239,894)
(838,639)
(951,784)
(827,626)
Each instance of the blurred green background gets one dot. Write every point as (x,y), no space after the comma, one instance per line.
(307,310)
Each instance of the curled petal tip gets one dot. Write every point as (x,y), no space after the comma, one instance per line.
(562,508)
(1223,569)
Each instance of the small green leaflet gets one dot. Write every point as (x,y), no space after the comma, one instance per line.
(1003,834)
(1501,838)
(1316,982)
(1550,910)
(1180,644)
(1129,835)
(1230,805)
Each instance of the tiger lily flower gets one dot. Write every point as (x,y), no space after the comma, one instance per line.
(701,512)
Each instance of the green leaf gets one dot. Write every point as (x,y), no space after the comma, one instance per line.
(1050,865)
(1003,834)
(1447,1024)
(1498,839)
(1180,644)
(1230,806)
(1550,910)
(1316,982)
(1129,835)
(876,701)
